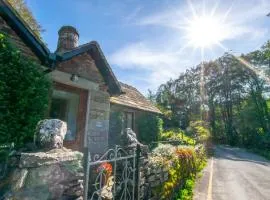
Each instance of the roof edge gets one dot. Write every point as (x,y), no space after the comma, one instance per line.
(136,108)
(95,51)
(14,20)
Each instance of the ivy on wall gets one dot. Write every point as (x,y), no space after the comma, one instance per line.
(24,95)
(116,128)
(150,127)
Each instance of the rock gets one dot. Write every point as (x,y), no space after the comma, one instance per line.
(18,179)
(48,158)
(74,188)
(130,141)
(37,193)
(50,133)
(55,174)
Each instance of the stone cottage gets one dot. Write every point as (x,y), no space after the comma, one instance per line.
(85,91)
(132,105)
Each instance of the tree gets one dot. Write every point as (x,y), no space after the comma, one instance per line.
(25,13)
(236,95)
(151,96)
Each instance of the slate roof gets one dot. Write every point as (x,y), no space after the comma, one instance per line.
(132,98)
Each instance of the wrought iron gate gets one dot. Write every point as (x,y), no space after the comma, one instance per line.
(113,175)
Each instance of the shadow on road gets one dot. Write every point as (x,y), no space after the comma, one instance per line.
(237,154)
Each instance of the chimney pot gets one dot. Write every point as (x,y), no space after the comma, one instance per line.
(68,38)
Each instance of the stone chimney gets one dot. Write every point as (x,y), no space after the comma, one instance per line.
(68,38)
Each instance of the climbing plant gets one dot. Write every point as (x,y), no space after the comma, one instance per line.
(24,95)
(149,127)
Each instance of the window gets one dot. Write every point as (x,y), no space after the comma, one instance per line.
(64,106)
(128,120)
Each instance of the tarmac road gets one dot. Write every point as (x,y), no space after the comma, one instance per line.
(234,174)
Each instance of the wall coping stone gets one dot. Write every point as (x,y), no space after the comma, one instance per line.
(37,159)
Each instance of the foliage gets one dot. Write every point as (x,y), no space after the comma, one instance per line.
(187,192)
(176,134)
(234,97)
(149,127)
(199,130)
(265,152)
(23,10)
(168,117)
(24,96)
(162,150)
(151,96)
(116,127)
(182,162)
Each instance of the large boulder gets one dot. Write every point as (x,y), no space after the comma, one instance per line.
(50,133)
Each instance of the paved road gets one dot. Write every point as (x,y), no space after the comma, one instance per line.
(234,174)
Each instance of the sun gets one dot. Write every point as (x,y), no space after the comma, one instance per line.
(205,31)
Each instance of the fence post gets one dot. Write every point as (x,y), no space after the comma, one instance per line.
(137,178)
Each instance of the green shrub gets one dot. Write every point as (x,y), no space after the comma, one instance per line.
(149,127)
(164,150)
(24,93)
(186,193)
(177,134)
(182,162)
(199,130)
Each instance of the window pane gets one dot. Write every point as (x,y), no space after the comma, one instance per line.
(65,107)
(129,118)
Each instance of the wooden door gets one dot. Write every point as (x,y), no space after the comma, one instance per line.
(70,104)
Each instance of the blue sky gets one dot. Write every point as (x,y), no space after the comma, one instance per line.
(148,42)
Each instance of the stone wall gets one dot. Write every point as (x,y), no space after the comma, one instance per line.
(84,66)
(150,178)
(55,174)
(19,43)
(98,122)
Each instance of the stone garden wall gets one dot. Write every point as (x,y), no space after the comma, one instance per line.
(47,171)
(165,170)
(150,179)
(56,174)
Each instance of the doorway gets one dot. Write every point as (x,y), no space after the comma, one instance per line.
(69,104)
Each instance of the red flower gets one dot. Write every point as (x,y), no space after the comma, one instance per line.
(107,167)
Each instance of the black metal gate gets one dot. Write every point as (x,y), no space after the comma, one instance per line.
(113,175)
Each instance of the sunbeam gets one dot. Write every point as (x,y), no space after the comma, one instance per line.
(247,64)
(204,31)
(207,28)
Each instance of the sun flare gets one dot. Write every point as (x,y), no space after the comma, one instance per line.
(205,31)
